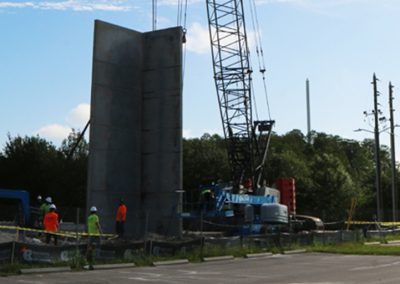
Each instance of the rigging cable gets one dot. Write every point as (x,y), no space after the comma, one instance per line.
(259,51)
(184,32)
(179,15)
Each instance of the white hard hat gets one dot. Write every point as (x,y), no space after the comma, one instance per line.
(93,209)
(52,206)
(48,199)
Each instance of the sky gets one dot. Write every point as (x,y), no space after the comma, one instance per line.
(46,63)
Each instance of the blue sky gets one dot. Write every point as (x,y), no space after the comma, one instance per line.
(46,59)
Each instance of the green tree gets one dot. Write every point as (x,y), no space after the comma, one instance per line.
(29,163)
(204,161)
(74,166)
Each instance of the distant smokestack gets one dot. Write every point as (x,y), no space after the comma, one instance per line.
(308,111)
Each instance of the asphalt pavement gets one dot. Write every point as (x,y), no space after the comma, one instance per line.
(312,268)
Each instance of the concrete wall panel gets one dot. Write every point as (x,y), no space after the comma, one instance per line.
(171,44)
(115,132)
(162,135)
(153,163)
(168,143)
(156,108)
(116,76)
(167,80)
(109,38)
(136,127)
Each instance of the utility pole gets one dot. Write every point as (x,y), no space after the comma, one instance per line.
(379,203)
(154,12)
(393,156)
(308,111)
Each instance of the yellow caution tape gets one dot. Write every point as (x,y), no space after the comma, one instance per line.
(373,223)
(62,233)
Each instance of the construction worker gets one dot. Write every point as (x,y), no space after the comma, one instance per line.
(94,231)
(248,185)
(39,201)
(36,213)
(120,219)
(207,198)
(45,207)
(50,223)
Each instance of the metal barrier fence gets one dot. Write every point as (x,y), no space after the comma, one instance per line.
(19,250)
(22,251)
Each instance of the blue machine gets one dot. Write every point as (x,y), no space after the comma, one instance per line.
(22,197)
(222,197)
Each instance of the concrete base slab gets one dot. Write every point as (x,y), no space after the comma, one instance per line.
(171,262)
(218,258)
(45,270)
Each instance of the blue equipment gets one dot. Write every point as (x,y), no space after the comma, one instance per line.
(22,197)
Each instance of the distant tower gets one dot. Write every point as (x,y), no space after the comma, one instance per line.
(308,111)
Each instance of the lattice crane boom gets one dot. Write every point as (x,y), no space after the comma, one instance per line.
(233,81)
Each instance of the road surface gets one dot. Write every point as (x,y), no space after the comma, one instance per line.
(312,268)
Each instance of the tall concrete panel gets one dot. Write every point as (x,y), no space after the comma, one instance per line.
(136,128)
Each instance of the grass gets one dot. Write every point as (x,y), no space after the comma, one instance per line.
(355,248)
(10,269)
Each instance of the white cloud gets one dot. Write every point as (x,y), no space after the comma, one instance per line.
(175,2)
(79,116)
(318,5)
(75,5)
(16,5)
(76,118)
(198,40)
(54,131)
(187,133)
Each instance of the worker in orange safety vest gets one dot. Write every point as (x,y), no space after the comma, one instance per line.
(50,223)
(120,219)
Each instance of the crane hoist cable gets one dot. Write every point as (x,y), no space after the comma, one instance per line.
(259,50)
(179,14)
(181,21)
(182,13)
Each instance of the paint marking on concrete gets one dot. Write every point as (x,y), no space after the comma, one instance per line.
(318,283)
(142,279)
(30,281)
(379,266)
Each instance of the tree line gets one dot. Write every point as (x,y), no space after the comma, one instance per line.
(329,172)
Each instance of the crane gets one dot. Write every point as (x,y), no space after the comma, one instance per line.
(247,140)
